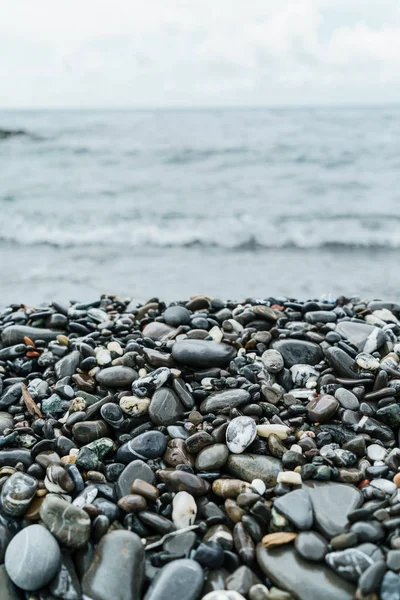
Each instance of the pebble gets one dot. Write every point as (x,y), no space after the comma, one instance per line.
(272,361)
(182,578)
(165,407)
(322,408)
(212,458)
(241,432)
(390,588)
(184,510)
(305,580)
(296,352)
(297,508)
(331,503)
(204,428)
(311,546)
(32,558)
(117,569)
(68,523)
(17,493)
(177,315)
(116,377)
(254,466)
(202,354)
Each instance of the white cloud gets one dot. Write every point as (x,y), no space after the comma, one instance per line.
(185,52)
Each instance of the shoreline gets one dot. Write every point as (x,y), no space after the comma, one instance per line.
(201,448)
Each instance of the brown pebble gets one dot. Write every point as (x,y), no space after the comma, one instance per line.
(396,480)
(132,503)
(148,491)
(234,512)
(195,417)
(33,511)
(230,488)
(277,539)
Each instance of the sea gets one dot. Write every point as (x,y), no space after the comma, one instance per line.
(231,203)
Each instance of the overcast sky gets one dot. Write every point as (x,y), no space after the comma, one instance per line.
(141,53)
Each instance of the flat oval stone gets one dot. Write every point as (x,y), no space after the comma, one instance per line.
(117,377)
(10,458)
(254,466)
(137,469)
(177,315)
(226,398)
(347,399)
(212,458)
(341,362)
(304,580)
(68,523)
(311,546)
(32,558)
(151,444)
(241,432)
(117,569)
(85,432)
(322,408)
(296,352)
(332,502)
(200,354)
(17,493)
(157,331)
(165,407)
(183,578)
(15,334)
(296,507)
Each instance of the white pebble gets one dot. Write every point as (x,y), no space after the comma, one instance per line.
(184,510)
(103,357)
(290,477)
(367,361)
(258,486)
(240,433)
(115,347)
(376,452)
(272,361)
(281,431)
(296,448)
(216,334)
(388,487)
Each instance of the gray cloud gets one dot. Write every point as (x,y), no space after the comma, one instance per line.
(184,52)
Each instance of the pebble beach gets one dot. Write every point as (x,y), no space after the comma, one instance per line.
(200,449)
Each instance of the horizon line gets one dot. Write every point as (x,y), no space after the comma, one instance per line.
(203,107)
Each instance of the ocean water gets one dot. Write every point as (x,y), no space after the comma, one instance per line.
(231,203)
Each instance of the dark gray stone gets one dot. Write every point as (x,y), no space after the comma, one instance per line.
(151,444)
(296,506)
(177,315)
(254,466)
(182,578)
(137,469)
(117,569)
(67,366)
(68,523)
(227,398)
(116,377)
(200,354)
(304,580)
(331,503)
(297,352)
(165,407)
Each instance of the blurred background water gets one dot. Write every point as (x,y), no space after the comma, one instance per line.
(231,203)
